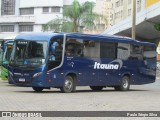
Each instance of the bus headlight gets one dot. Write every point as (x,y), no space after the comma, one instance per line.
(37,74)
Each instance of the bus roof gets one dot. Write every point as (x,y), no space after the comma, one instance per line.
(110,38)
(37,36)
(10,37)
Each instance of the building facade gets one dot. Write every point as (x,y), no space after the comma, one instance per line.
(103,7)
(123,9)
(17,16)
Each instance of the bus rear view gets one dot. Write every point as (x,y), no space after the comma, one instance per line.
(64,61)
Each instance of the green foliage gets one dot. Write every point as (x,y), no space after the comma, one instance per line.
(67,27)
(157,27)
(75,16)
(53,25)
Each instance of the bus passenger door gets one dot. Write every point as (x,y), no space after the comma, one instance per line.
(54,61)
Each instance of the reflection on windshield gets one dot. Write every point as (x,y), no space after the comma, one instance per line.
(29,53)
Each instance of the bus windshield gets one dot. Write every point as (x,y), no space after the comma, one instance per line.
(29,53)
(7,53)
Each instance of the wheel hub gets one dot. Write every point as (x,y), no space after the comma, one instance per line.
(68,84)
(125,83)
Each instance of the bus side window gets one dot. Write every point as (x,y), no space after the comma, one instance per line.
(149,52)
(123,51)
(69,49)
(137,52)
(91,49)
(108,50)
(74,47)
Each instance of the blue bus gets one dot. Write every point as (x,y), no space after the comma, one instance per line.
(66,60)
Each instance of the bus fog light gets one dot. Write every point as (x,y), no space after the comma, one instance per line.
(37,74)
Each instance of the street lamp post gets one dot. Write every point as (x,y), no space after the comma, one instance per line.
(134,20)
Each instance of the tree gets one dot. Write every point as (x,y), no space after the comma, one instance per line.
(75,16)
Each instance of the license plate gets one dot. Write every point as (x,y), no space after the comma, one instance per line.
(21,79)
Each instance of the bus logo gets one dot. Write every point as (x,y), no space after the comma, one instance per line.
(115,65)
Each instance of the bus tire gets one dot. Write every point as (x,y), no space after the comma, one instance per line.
(38,89)
(69,85)
(124,85)
(96,88)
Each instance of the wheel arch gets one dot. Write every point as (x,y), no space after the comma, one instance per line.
(73,75)
(128,75)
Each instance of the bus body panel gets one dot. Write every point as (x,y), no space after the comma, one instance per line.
(85,76)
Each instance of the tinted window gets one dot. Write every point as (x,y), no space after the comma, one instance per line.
(74,47)
(107,50)
(91,49)
(136,52)
(123,51)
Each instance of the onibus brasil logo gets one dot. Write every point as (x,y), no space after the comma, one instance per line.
(115,64)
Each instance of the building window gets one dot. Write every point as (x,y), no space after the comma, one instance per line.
(118,15)
(45,9)
(25,28)
(26,11)
(6,28)
(8,7)
(139,5)
(55,9)
(111,16)
(117,3)
(129,12)
(121,2)
(129,2)
(121,13)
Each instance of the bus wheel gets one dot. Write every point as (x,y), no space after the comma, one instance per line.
(96,88)
(38,89)
(69,85)
(124,86)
